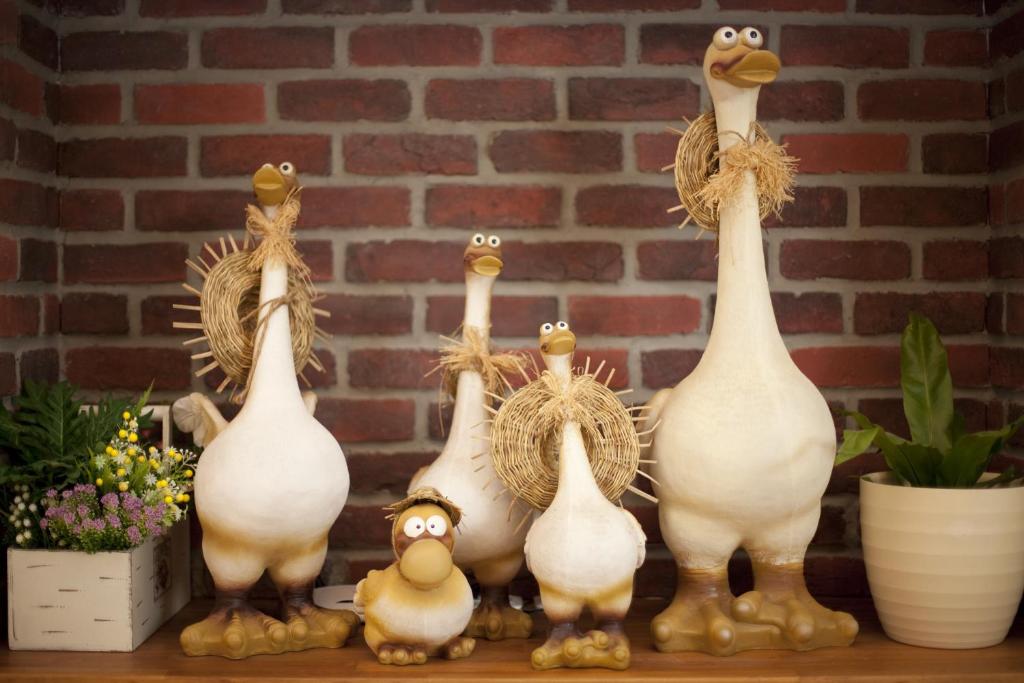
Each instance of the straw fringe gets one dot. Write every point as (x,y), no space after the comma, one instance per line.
(474,353)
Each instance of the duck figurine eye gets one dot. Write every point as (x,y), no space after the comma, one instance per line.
(736,58)
(557,339)
(562,325)
(494,241)
(725,38)
(752,37)
(414,527)
(547,328)
(437,525)
(483,255)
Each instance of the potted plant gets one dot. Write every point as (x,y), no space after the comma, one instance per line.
(97,558)
(943,537)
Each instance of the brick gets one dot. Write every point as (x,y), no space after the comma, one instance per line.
(1007,367)
(411,45)
(21,89)
(518,151)
(8,140)
(159,314)
(847,260)
(923,206)
(850,366)
(319,256)
(675,43)
(1014,90)
(38,41)
(784,5)
(666,367)
(8,375)
(626,206)
(1014,210)
(409,153)
(90,8)
(1006,258)
(190,210)
(581,45)
(200,8)
(367,315)
(562,261)
(631,5)
(88,209)
(123,50)
(344,100)
(920,6)
(38,261)
(922,100)
(37,151)
(1006,147)
(93,313)
(123,157)
(199,103)
(362,420)
(955,153)
(997,97)
(345,7)
(375,472)
(677,260)
(460,6)
(1007,37)
(801,101)
(40,365)
(849,152)
(237,155)
(8,258)
(392,368)
(92,103)
(632,99)
(812,207)
(955,260)
(360,526)
(887,312)
(955,48)
(493,206)
(354,207)
(105,264)
(997,205)
(1015,314)
(845,46)
(808,312)
(625,316)
(404,261)
(504,99)
(27,203)
(286,47)
(8,22)
(994,314)
(115,367)
(511,316)
(655,151)
(19,315)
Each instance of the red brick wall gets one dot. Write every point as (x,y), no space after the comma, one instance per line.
(416,122)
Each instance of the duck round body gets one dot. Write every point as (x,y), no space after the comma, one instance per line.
(419,606)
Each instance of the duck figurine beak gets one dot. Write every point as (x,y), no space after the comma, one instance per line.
(269,185)
(757,67)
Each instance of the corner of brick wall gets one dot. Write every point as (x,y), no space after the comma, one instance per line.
(415,123)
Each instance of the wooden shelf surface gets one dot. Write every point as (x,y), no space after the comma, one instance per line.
(872,658)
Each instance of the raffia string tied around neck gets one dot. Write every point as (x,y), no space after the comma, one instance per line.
(526,437)
(707,178)
(474,352)
(276,238)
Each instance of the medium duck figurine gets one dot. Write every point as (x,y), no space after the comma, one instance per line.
(583,549)
(419,606)
(272,481)
(746,442)
(491,537)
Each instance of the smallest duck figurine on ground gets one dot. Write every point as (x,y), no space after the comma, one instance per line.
(420,605)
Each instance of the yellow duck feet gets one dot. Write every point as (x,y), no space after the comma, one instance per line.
(236,633)
(495,619)
(401,655)
(458,647)
(802,623)
(310,626)
(566,648)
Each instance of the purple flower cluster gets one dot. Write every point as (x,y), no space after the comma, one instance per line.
(79,519)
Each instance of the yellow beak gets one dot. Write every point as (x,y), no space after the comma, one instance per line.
(269,186)
(559,343)
(487,265)
(426,564)
(756,68)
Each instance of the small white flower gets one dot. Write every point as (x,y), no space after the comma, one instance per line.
(28,535)
(26,522)
(12,519)
(17,499)
(32,507)
(150,479)
(19,538)
(61,543)
(21,507)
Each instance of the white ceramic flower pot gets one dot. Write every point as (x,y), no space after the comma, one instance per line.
(945,566)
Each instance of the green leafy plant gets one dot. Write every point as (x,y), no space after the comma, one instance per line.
(940,453)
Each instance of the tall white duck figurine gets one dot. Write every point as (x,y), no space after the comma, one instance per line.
(491,537)
(270,483)
(746,442)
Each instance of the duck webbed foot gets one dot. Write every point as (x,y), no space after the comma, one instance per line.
(610,646)
(401,655)
(310,626)
(780,599)
(236,630)
(458,647)
(495,619)
(566,647)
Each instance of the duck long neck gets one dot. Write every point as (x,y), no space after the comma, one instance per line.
(575,478)
(470,397)
(744,317)
(273,378)
(478,305)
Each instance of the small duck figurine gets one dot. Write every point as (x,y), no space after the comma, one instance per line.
(419,606)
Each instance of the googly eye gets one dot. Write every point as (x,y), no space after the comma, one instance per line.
(494,241)
(725,38)
(547,328)
(437,525)
(287,168)
(479,240)
(562,325)
(413,527)
(752,37)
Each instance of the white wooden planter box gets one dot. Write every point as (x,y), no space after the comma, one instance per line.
(66,600)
